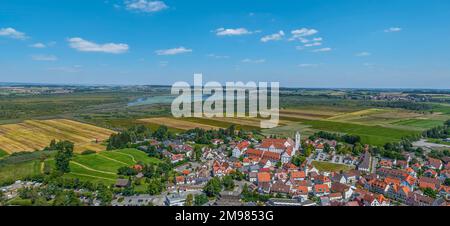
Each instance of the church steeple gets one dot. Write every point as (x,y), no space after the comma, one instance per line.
(298,142)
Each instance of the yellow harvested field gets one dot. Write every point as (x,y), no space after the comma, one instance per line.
(358,114)
(375,116)
(37,134)
(178,124)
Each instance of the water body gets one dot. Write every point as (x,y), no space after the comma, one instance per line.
(163,99)
(152,100)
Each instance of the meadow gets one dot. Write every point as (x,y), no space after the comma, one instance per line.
(19,171)
(331,167)
(102,167)
(421,123)
(374,135)
(33,135)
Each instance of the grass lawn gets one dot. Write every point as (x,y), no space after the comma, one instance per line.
(139,156)
(19,202)
(330,167)
(102,167)
(98,162)
(12,172)
(118,156)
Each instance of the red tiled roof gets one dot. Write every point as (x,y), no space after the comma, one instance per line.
(426,182)
(243,145)
(410,179)
(435,162)
(321,188)
(378,183)
(277,143)
(338,187)
(302,189)
(385,162)
(254,153)
(392,180)
(298,174)
(179,179)
(264,177)
(177,157)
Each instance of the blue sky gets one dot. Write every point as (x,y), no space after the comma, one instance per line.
(299,43)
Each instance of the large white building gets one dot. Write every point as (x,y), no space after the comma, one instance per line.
(286,147)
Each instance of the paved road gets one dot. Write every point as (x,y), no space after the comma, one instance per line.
(424,143)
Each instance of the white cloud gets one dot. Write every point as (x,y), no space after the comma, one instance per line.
(313,44)
(44,58)
(254,61)
(217,56)
(273,37)
(300,34)
(38,45)
(393,29)
(87,46)
(70,69)
(308,65)
(145,5)
(232,32)
(322,50)
(319,39)
(363,54)
(12,33)
(173,51)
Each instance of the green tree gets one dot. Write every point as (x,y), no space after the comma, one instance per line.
(200,200)
(213,187)
(228,182)
(104,194)
(155,187)
(430,192)
(198,153)
(66,198)
(447,182)
(63,155)
(298,160)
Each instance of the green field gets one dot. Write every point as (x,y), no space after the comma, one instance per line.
(103,166)
(420,123)
(3,153)
(19,171)
(443,108)
(330,167)
(375,135)
(100,167)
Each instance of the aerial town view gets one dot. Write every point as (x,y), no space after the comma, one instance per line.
(351,108)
